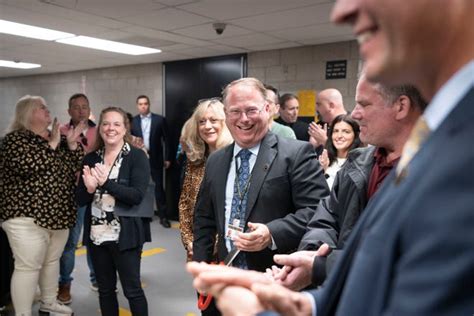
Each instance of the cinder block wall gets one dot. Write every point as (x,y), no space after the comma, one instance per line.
(117,86)
(304,68)
(289,70)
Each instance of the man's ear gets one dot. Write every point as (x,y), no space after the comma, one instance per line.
(403,107)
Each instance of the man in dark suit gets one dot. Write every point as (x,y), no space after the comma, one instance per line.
(412,251)
(262,210)
(152,129)
(289,109)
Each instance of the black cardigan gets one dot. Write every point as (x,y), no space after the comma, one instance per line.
(130,188)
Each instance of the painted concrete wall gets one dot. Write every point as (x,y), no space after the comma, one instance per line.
(289,70)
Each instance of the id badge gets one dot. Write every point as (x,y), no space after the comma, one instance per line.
(96,210)
(234,228)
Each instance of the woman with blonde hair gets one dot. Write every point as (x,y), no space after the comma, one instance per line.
(38,175)
(204,133)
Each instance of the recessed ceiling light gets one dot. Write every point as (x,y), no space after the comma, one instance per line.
(17,64)
(25,30)
(111,46)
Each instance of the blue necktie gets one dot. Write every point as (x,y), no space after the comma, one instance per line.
(239,200)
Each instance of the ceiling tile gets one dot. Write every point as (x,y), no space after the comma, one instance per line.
(167,19)
(287,19)
(207,32)
(248,40)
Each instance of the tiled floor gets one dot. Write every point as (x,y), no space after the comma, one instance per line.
(167,285)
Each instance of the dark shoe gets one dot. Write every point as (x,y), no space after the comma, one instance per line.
(165,222)
(64,293)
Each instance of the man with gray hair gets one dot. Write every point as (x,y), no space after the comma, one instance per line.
(387,123)
(259,192)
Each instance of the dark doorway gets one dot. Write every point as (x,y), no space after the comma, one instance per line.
(186,82)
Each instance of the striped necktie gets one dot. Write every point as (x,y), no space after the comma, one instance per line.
(239,200)
(418,135)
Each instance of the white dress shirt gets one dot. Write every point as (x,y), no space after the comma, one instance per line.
(229,188)
(146,128)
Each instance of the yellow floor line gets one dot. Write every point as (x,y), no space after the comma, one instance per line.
(124,312)
(81,251)
(175,225)
(145,253)
(152,251)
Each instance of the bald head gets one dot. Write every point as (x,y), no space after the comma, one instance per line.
(329,104)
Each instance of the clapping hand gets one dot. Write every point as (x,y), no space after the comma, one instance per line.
(55,136)
(324,160)
(89,180)
(74,133)
(318,134)
(101,173)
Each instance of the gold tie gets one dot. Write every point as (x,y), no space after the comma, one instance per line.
(418,135)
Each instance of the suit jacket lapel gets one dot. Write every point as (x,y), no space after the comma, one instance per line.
(221,181)
(138,126)
(153,127)
(266,155)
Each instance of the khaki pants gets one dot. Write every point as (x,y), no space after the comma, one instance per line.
(36,251)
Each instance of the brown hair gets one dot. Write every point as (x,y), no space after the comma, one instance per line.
(128,138)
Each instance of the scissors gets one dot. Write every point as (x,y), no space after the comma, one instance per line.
(205,300)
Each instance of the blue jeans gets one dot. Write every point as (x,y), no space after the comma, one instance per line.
(68,258)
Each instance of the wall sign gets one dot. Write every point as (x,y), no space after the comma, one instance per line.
(336,69)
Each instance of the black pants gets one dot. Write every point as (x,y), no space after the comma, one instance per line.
(6,268)
(108,260)
(160,195)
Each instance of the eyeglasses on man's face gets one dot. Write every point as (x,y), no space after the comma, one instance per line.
(251,112)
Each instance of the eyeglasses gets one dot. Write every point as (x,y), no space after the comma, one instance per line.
(250,113)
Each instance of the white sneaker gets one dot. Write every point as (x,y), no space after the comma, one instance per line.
(94,287)
(55,307)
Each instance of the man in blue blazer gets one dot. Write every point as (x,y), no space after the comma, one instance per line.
(152,129)
(412,251)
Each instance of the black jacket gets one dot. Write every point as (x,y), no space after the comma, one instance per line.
(337,214)
(299,127)
(129,189)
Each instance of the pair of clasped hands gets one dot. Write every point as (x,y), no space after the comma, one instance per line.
(243,292)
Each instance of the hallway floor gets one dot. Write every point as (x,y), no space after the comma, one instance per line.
(168,287)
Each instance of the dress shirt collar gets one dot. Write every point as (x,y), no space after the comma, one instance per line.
(147,116)
(450,94)
(254,150)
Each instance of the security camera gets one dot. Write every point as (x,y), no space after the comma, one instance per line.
(219,28)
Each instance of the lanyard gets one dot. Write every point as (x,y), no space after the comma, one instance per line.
(111,167)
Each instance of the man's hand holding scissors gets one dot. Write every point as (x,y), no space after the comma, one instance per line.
(256,238)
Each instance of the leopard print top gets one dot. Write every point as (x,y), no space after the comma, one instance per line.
(37,181)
